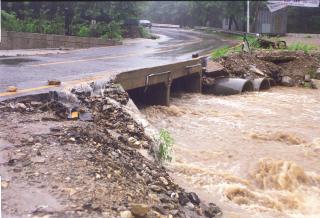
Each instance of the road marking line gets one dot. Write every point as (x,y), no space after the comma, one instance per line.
(82,60)
(25,90)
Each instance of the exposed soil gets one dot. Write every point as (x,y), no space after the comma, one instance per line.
(94,167)
(274,64)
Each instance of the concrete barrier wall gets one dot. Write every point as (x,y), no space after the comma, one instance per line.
(231,32)
(22,40)
(165,25)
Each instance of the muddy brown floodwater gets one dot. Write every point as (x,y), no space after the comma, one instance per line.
(254,155)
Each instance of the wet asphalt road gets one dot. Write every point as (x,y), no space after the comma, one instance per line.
(174,45)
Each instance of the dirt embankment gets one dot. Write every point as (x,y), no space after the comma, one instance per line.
(273,64)
(86,167)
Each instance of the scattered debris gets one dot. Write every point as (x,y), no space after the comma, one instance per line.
(12,89)
(93,168)
(74,115)
(255,70)
(264,43)
(278,65)
(54,82)
(195,55)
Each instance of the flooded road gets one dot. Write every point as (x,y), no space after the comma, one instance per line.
(254,155)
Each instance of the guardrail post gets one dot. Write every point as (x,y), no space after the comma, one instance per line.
(158,94)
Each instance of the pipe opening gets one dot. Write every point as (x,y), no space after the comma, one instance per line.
(247,87)
(230,86)
(260,84)
(265,84)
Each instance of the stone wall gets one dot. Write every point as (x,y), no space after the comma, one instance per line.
(22,40)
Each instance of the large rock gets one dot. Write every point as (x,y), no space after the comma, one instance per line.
(212,211)
(193,197)
(315,84)
(215,69)
(126,214)
(140,209)
(287,81)
(21,107)
(183,199)
(317,75)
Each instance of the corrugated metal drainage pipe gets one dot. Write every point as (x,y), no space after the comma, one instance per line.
(261,84)
(230,86)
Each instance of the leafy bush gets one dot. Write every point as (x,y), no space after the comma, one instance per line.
(55,26)
(84,31)
(144,33)
(32,26)
(253,42)
(112,31)
(165,146)
(10,22)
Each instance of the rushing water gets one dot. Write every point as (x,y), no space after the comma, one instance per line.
(254,155)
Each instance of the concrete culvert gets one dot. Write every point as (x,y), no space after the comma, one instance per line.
(230,86)
(261,84)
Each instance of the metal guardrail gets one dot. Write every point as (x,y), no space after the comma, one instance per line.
(137,78)
(156,74)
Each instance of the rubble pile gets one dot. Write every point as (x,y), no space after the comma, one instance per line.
(284,67)
(240,65)
(89,167)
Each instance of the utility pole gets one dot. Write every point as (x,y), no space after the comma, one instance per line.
(248,16)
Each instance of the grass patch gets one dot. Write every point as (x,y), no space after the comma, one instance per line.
(254,45)
(165,141)
(307,85)
(306,48)
(220,52)
(225,51)
(229,36)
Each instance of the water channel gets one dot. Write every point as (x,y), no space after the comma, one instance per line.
(254,155)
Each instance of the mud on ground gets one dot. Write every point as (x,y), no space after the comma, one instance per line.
(88,167)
